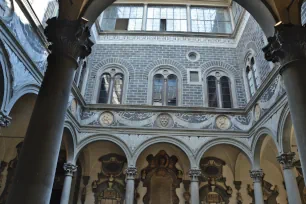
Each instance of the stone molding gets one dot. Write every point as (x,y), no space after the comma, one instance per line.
(5,120)
(69,38)
(257,175)
(70,169)
(287,45)
(195,174)
(131,173)
(286,160)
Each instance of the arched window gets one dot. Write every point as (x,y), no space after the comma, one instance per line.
(225,92)
(111,87)
(82,75)
(252,75)
(212,91)
(158,89)
(165,91)
(219,90)
(104,89)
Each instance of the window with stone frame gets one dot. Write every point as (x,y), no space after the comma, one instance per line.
(219,90)
(111,86)
(210,20)
(122,17)
(165,89)
(166,18)
(252,76)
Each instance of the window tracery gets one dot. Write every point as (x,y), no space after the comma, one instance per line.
(165,89)
(253,79)
(111,86)
(219,90)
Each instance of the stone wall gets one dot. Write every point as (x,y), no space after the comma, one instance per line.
(140,58)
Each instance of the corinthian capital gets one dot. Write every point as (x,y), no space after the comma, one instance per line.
(131,172)
(257,175)
(287,45)
(287,160)
(70,169)
(4,120)
(69,38)
(195,174)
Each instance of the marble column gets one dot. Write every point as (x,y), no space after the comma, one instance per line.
(131,173)
(36,167)
(69,171)
(293,192)
(287,47)
(257,176)
(194,185)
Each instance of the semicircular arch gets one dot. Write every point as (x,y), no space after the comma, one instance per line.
(179,144)
(109,138)
(224,141)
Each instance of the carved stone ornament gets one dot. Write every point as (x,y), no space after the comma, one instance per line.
(164,121)
(223,122)
(287,45)
(131,172)
(5,120)
(257,112)
(195,174)
(70,169)
(287,160)
(161,173)
(257,175)
(106,118)
(69,38)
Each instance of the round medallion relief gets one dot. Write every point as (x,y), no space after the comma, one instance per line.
(106,118)
(164,121)
(223,122)
(257,112)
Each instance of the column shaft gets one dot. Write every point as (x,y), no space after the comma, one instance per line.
(194,192)
(287,160)
(66,190)
(287,48)
(293,192)
(129,192)
(34,176)
(257,176)
(194,185)
(38,159)
(258,193)
(131,173)
(295,85)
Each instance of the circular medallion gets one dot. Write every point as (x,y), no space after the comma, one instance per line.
(193,56)
(164,121)
(106,119)
(257,112)
(223,122)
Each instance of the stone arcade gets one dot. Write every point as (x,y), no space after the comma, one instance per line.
(153,102)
